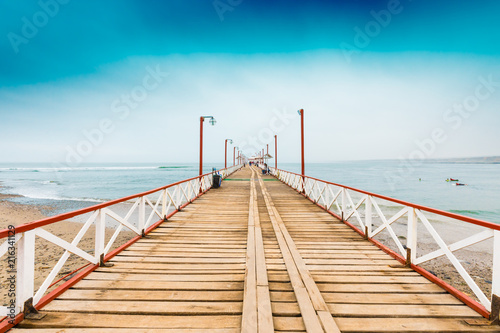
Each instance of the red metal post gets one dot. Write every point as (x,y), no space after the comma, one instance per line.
(225,156)
(302,141)
(276,152)
(201,145)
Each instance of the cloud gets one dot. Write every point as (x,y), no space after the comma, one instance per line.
(374,108)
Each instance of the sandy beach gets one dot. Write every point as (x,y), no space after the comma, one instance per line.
(47,254)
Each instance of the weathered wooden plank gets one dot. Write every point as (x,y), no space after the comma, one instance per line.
(88,320)
(145,307)
(138,295)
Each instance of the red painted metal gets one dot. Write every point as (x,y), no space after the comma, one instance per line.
(473,304)
(303,167)
(276,152)
(225,155)
(201,145)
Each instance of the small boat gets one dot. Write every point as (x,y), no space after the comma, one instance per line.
(460,184)
(451,180)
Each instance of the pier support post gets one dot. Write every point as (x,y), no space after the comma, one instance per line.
(25,284)
(100,230)
(142,214)
(411,239)
(343,203)
(164,205)
(495,281)
(368,217)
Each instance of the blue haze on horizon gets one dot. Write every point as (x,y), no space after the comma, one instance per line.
(245,65)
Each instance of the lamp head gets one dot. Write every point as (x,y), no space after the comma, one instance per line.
(213,121)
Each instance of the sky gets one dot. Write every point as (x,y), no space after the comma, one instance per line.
(124,81)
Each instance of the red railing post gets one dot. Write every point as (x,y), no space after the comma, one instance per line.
(201,145)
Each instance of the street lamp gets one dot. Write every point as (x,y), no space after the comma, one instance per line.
(301,112)
(225,154)
(212,122)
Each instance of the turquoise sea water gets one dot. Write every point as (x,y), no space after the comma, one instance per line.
(67,189)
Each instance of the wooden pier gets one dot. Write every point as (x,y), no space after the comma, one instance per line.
(255,256)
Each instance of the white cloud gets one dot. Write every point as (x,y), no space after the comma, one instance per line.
(373,108)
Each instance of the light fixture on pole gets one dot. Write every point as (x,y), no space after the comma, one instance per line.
(212,122)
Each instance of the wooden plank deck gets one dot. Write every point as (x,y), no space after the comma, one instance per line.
(255,256)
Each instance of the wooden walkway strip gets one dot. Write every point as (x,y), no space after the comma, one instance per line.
(315,312)
(257,313)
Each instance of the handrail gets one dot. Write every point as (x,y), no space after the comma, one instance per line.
(463,218)
(336,200)
(140,219)
(57,218)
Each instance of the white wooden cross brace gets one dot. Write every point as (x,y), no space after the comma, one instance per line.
(355,210)
(119,219)
(335,197)
(112,239)
(474,239)
(461,270)
(171,197)
(154,211)
(64,244)
(387,225)
(321,194)
(60,263)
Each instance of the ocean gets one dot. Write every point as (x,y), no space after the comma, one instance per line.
(67,189)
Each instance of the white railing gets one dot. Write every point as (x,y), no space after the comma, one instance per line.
(137,213)
(374,214)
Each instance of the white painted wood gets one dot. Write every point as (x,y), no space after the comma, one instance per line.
(461,270)
(25,282)
(110,213)
(368,215)
(64,244)
(412,232)
(474,239)
(495,286)
(100,229)
(387,225)
(60,263)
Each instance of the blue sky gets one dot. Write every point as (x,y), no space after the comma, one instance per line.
(378,79)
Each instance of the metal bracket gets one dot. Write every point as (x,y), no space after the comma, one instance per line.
(104,264)
(495,309)
(30,312)
(366,232)
(408,257)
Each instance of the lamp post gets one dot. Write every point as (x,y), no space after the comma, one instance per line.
(276,151)
(212,122)
(225,154)
(301,112)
